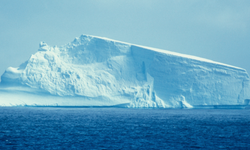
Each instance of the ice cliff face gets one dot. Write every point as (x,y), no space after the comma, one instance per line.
(101,71)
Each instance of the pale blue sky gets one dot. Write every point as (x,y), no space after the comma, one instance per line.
(213,29)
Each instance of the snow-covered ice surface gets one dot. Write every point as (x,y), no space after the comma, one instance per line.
(96,71)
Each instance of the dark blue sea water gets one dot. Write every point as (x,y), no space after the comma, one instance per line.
(119,128)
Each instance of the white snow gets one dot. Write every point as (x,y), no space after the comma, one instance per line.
(96,71)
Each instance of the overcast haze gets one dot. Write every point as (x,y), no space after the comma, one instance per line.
(214,29)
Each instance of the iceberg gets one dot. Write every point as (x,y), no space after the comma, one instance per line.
(97,71)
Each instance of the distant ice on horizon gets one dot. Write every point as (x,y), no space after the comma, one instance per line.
(96,71)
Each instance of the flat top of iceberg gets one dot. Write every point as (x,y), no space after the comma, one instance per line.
(168,52)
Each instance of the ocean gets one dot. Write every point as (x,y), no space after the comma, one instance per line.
(121,128)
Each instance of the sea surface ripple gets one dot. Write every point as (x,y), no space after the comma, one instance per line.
(120,128)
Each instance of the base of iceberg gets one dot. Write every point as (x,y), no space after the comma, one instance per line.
(29,97)
(25,96)
(99,72)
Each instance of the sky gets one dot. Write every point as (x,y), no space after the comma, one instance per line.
(214,29)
